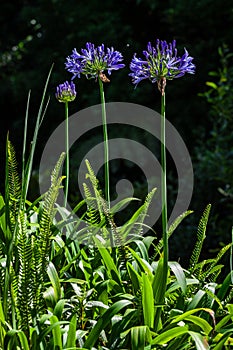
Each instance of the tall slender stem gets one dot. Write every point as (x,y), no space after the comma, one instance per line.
(67,153)
(164,183)
(106,150)
(163,279)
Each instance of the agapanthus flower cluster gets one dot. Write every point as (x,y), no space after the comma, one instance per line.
(92,62)
(160,63)
(66,92)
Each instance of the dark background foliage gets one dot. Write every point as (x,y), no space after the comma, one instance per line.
(37,34)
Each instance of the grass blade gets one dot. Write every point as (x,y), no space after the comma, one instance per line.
(53,276)
(168,335)
(104,321)
(139,336)
(71,338)
(180,276)
(9,340)
(200,341)
(147,301)
(109,263)
(56,331)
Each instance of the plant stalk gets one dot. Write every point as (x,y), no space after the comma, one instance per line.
(106,151)
(164,184)
(161,289)
(67,153)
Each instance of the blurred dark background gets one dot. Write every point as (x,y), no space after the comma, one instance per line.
(37,34)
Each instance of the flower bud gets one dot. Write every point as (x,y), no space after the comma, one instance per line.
(66,92)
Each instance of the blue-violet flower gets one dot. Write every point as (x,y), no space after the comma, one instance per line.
(92,62)
(66,92)
(160,63)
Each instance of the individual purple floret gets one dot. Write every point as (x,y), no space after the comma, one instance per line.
(160,63)
(92,61)
(66,92)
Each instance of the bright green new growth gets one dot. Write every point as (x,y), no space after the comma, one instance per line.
(31,246)
(100,218)
(201,234)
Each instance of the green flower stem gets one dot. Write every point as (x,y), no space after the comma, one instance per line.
(67,153)
(161,288)
(106,150)
(164,184)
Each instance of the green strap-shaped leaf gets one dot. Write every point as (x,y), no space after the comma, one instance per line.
(139,336)
(112,270)
(180,276)
(147,301)
(223,322)
(21,336)
(200,341)
(59,308)
(156,285)
(201,322)
(54,324)
(136,279)
(196,299)
(118,206)
(56,331)
(2,317)
(33,338)
(224,339)
(191,312)
(53,276)
(143,264)
(104,320)
(168,335)
(71,338)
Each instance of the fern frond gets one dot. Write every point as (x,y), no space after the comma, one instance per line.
(214,273)
(134,226)
(55,175)
(48,211)
(198,269)
(13,184)
(95,214)
(144,212)
(37,286)
(120,247)
(201,234)
(45,232)
(24,291)
(171,229)
(92,213)
(113,227)
(213,269)
(97,193)
(229,297)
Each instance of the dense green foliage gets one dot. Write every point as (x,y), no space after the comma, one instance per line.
(56,294)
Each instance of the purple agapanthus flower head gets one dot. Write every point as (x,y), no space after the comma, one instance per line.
(93,61)
(161,62)
(66,92)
